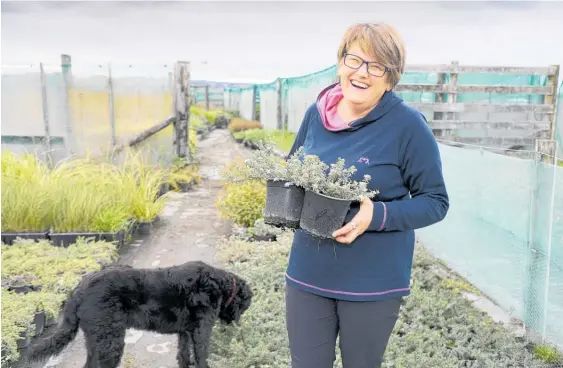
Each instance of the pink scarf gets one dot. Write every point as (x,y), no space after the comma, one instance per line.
(327,104)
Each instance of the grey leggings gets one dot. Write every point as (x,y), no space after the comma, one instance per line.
(313,323)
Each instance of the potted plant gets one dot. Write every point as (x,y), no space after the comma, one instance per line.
(239,136)
(182,176)
(20,284)
(26,200)
(264,232)
(329,193)
(284,197)
(222,121)
(88,212)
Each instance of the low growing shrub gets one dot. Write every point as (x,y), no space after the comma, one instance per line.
(242,203)
(239,124)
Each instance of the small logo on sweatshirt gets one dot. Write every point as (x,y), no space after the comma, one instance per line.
(363,160)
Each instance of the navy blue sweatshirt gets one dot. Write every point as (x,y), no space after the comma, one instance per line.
(394,145)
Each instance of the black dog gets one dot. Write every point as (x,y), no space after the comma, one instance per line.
(184,300)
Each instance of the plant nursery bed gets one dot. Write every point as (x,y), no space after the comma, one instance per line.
(52,272)
(437,326)
(66,239)
(9,237)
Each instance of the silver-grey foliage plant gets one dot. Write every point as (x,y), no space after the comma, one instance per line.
(334,180)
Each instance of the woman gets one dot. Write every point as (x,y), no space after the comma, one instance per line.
(353,285)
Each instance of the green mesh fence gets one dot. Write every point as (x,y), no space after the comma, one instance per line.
(267,95)
(504,230)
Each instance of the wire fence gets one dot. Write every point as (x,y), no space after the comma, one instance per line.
(504,230)
(56,111)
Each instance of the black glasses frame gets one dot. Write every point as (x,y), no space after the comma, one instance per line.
(379,65)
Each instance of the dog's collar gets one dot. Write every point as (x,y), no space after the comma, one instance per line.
(233,293)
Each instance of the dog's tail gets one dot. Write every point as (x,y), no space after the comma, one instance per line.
(60,336)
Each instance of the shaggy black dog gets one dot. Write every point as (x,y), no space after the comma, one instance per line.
(184,300)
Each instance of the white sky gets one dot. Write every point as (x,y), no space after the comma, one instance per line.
(261,41)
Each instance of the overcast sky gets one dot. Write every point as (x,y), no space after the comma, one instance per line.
(250,40)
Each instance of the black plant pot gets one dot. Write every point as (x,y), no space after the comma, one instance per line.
(23,288)
(239,140)
(264,237)
(322,215)
(66,239)
(24,340)
(164,188)
(8,238)
(39,320)
(186,186)
(144,228)
(221,122)
(250,145)
(283,204)
(50,321)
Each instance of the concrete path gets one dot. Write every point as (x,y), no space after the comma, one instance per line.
(189,230)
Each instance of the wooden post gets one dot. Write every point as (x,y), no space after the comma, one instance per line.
(253,115)
(66,68)
(545,149)
(553,80)
(279,116)
(47,139)
(182,108)
(111,108)
(207,97)
(440,98)
(452,97)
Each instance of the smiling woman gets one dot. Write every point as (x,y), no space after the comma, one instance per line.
(353,285)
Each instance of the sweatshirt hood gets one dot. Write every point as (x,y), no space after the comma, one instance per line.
(327,102)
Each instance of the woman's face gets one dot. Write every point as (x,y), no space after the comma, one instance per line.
(359,86)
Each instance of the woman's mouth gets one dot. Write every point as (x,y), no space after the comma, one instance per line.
(358,85)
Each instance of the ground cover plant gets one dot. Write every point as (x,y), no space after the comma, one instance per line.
(437,326)
(36,279)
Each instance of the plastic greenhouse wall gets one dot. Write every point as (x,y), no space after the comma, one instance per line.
(141,96)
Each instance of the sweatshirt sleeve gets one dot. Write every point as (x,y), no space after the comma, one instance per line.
(421,168)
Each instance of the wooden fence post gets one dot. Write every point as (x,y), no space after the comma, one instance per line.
(47,139)
(182,108)
(440,98)
(253,115)
(553,80)
(111,108)
(207,97)
(66,68)
(279,101)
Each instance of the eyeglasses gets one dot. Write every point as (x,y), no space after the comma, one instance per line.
(374,68)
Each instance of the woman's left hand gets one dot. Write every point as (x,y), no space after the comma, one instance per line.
(349,232)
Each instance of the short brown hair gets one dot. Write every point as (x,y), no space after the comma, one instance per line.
(381,41)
